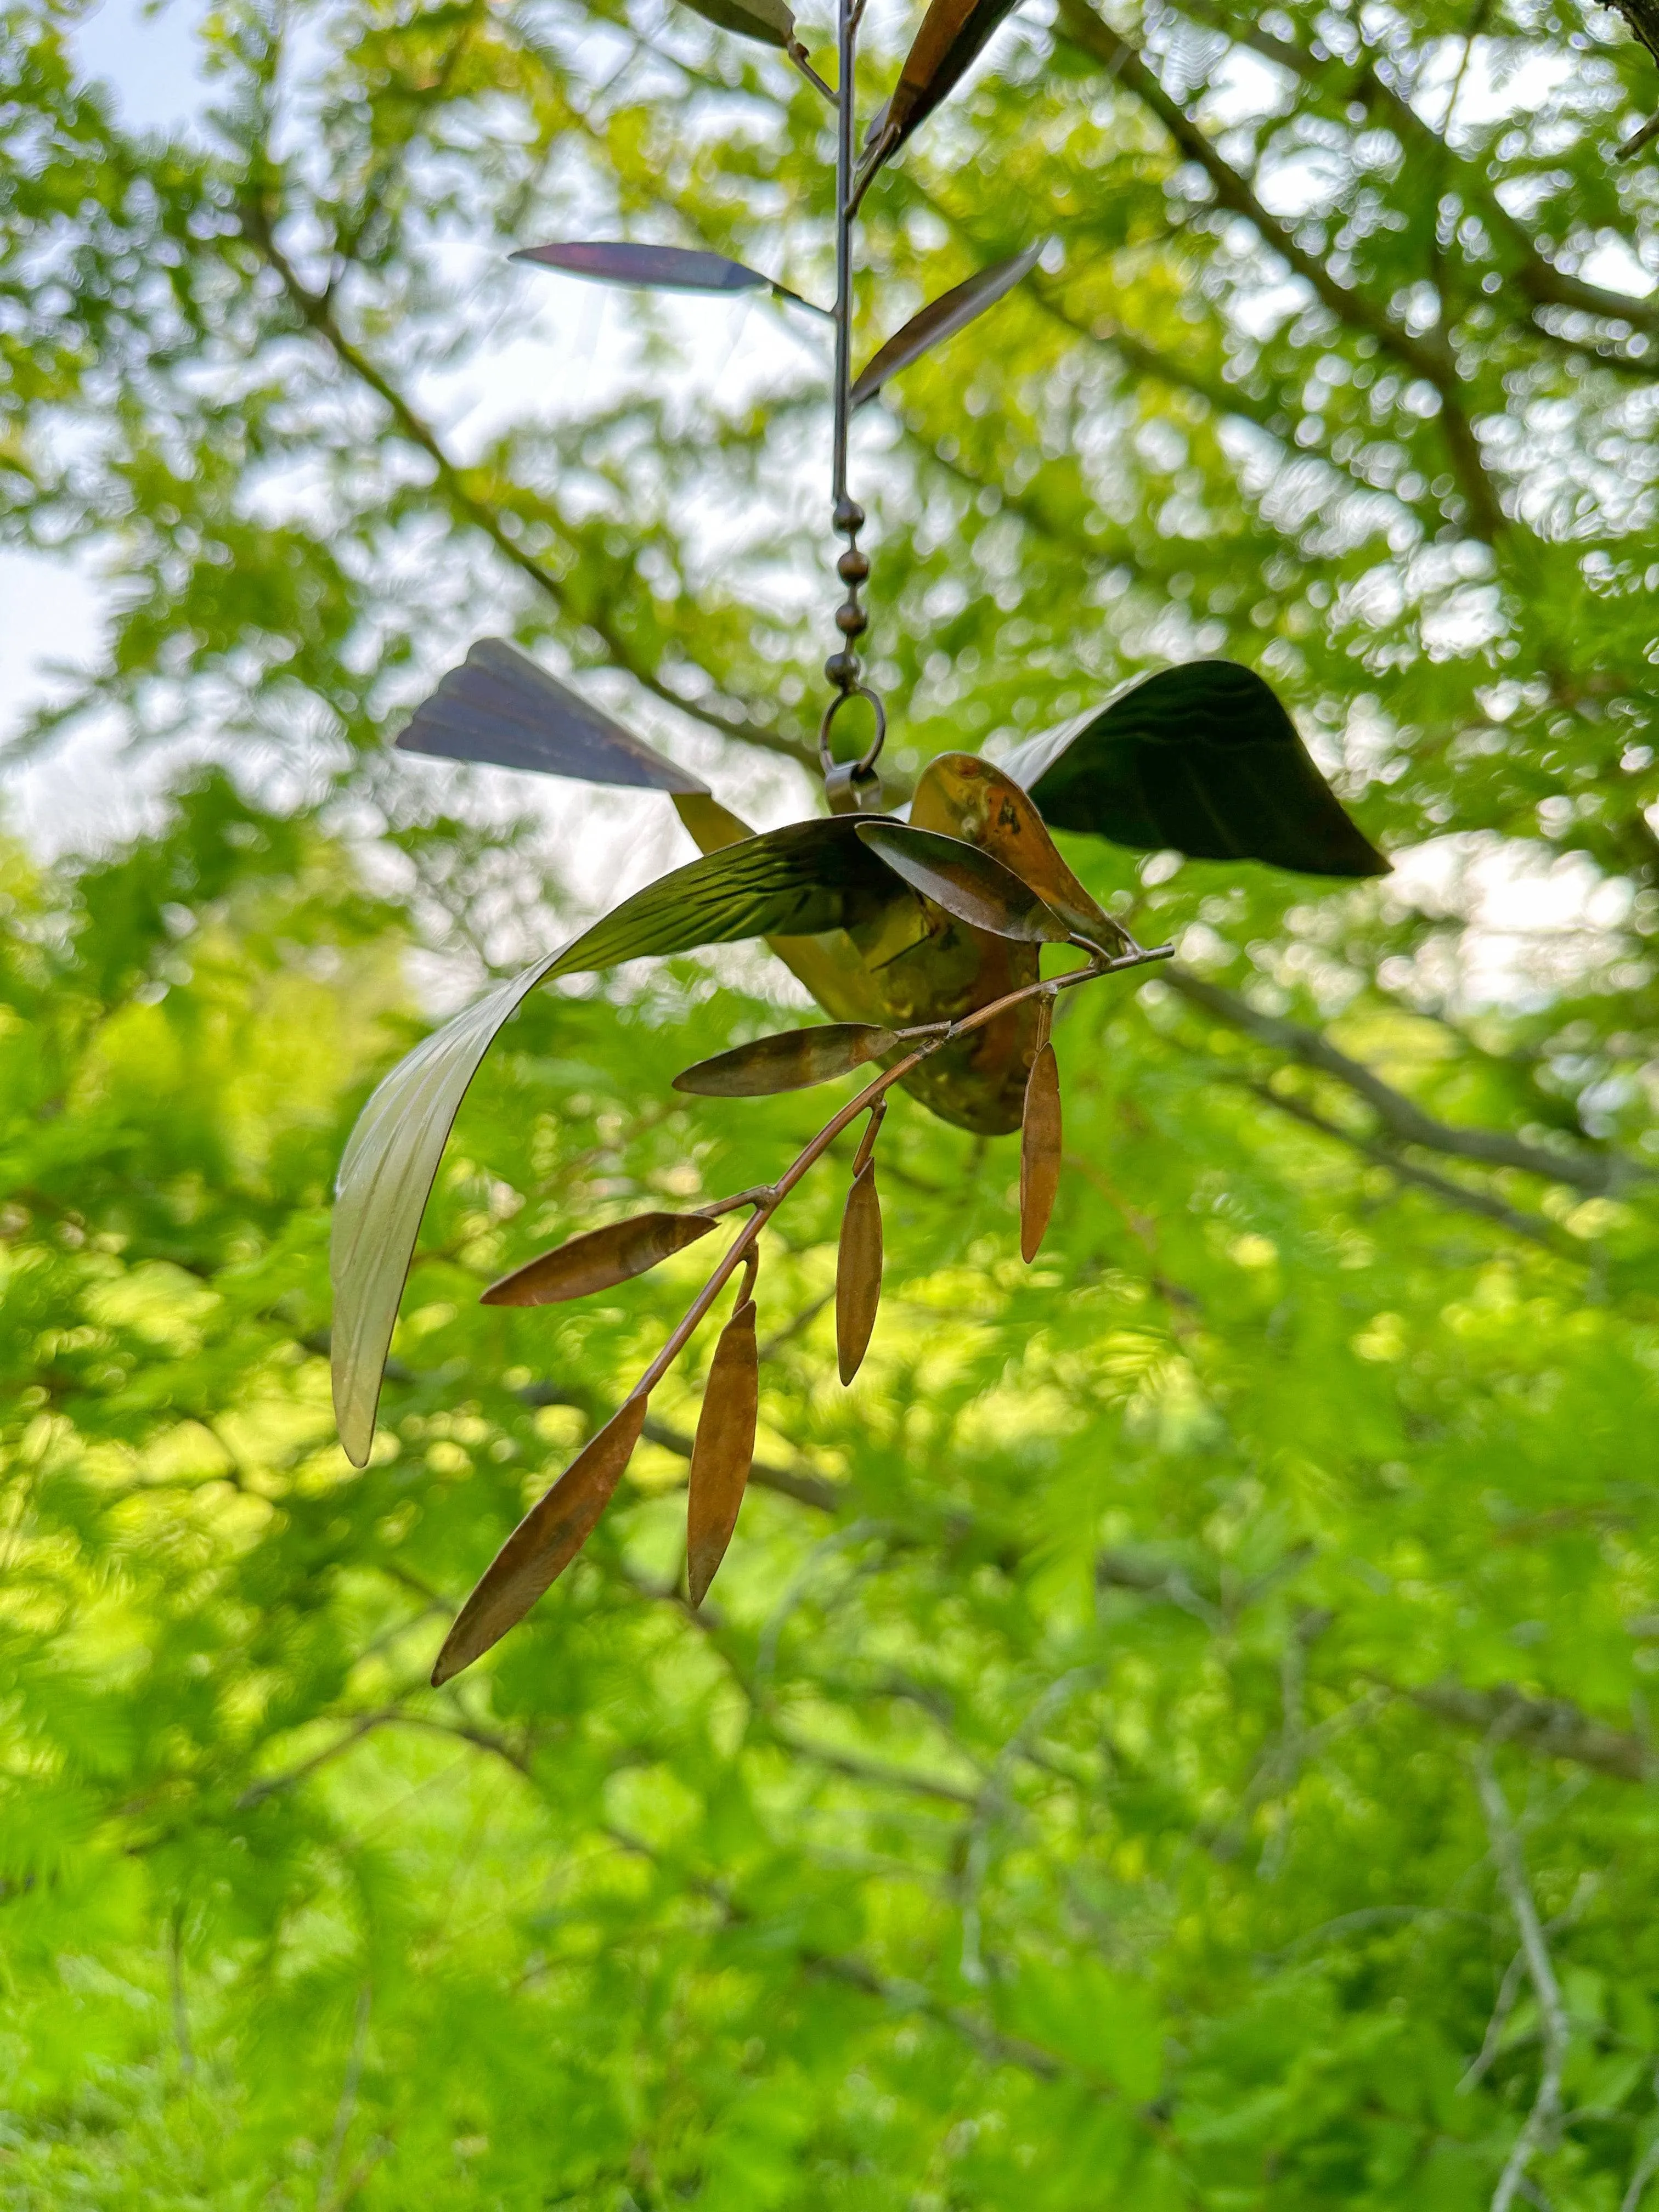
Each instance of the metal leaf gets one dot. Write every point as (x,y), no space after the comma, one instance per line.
(543,1544)
(1204,759)
(1039,1151)
(793,1060)
(808,877)
(723,1449)
(966,882)
(770,20)
(857,1272)
(597,1261)
(500,706)
(660,267)
(942,319)
(962,795)
(953,33)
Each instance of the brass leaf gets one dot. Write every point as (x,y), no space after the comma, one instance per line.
(1039,1151)
(789,1061)
(953,35)
(722,1451)
(543,1544)
(770,20)
(966,882)
(857,1272)
(598,1260)
(942,319)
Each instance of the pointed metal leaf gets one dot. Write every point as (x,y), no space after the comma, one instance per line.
(965,881)
(1203,759)
(857,1272)
(1039,1151)
(770,20)
(942,319)
(953,34)
(597,1261)
(658,268)
(500,706)
(723,1449)
(793,1060)
(543,1544)
(808,877)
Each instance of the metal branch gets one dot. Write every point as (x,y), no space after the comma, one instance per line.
(1538,2129)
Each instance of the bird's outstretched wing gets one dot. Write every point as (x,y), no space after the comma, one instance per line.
(808,877)
(499,706)
(1203,759)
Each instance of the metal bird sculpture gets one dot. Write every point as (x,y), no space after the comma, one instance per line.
(920,937)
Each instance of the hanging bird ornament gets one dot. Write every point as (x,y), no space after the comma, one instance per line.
(919,935)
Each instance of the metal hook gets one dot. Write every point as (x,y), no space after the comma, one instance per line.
(853,786)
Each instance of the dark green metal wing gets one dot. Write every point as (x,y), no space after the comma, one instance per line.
(1203,759)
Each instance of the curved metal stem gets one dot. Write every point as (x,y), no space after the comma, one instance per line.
(766,1200)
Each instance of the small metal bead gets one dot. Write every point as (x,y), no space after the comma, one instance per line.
(851,620)
(842,669)
(849,517)
(853,566)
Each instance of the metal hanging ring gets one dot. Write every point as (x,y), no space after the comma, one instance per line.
(867,766)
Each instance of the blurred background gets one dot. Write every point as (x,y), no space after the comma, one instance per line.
(1177,1731)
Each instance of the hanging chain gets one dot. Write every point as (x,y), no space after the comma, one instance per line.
(851,786)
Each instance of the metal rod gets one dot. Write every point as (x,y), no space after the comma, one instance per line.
(846,124)
(797,53)
(848,786)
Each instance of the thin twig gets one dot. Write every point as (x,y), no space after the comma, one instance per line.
(327,2196)
(1538,2129)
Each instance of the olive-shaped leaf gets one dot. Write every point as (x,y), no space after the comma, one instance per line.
(793,1060)
(770,20)
(598,1260)
(1203,759)
(942,319)
(965,881)
(658,268)
(1039,1151)
(722,1450)
(543,1544)
(953,33)
(857,1272)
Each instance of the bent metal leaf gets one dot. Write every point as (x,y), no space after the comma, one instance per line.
(921,938)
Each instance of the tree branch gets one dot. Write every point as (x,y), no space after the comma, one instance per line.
(1552,1727)
(1537,2132)
(316,311)
(1432,362)
(1480,1202)
(1599,1176)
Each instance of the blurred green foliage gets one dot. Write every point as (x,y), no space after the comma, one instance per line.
(1176,1733)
